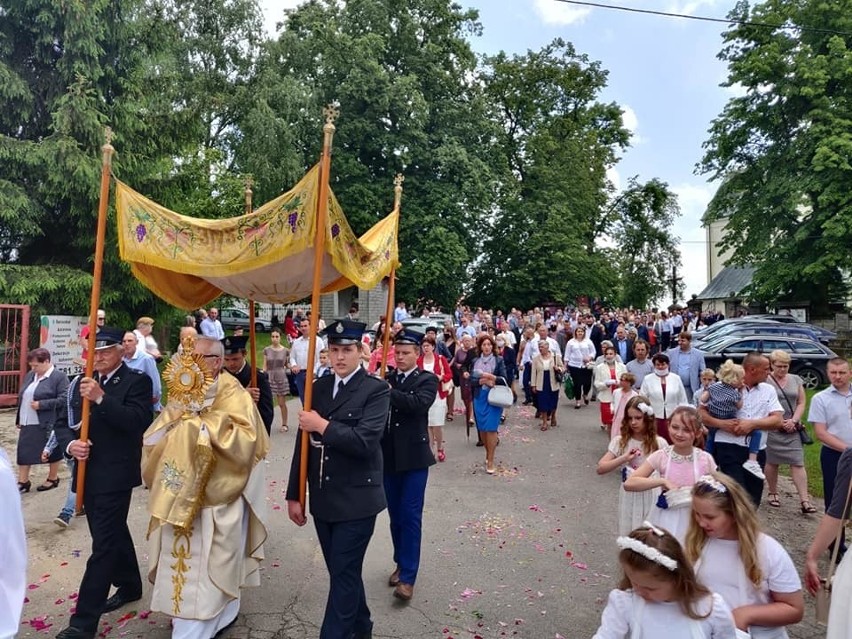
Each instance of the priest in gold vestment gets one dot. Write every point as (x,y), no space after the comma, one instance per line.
(203,462)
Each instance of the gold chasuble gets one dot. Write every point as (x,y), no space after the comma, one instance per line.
(201,462)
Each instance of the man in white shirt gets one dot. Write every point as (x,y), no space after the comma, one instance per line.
(831,415)
(760,411)
(400,313)
(211,326)
(299,357)
(142,361)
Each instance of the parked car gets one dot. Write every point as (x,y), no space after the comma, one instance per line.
(808,357)
(422,323)
(757,327)
(238,318)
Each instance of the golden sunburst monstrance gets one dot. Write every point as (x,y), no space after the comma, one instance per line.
(187,376)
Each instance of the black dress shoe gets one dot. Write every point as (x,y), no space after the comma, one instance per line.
(75,633)
(118,600)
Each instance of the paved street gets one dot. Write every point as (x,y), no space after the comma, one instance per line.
(528,553)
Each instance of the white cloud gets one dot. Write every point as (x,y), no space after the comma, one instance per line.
(559,13)
(690,7)
(629,119)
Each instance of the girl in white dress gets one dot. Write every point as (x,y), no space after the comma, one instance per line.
(675,469)
(751,570)
(660,596)
(637,438)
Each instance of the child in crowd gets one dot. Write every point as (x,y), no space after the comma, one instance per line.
(708,376)
(636,439)
(675,469)
(723,399)
(324,366)
(659,595)
(752,572)
(620,397)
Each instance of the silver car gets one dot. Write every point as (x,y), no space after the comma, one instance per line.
(239,318)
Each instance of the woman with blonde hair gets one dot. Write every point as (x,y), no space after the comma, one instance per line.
(754,574)
(607,374)
(784,446)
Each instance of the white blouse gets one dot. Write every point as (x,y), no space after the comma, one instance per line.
(576,352)
(628,616)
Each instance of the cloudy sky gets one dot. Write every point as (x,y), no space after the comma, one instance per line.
(662,71)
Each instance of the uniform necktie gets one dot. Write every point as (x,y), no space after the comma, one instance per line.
(102,380)
(400,378)
(340,386)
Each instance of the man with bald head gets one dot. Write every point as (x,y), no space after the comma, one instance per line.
(142,361)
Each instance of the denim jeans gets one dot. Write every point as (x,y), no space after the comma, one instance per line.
(71,500)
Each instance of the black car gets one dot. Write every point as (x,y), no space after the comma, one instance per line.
(808,357)
(745,326)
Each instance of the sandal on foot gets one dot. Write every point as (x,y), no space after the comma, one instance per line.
(773,500)
(807,507)
(543,428)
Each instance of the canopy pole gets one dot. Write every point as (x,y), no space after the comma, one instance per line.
(397,199)
(252,336)
(330,112)
(106,150)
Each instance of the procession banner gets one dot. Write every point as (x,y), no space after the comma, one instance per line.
(265,256)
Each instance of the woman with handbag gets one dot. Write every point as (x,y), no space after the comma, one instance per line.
(431,361)
(784,446)
(547,372)
(485,371)
(839,588)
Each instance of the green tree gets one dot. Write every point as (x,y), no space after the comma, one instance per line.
(555,141)
(403,76)
(783,148)
(166,76)
(640,223)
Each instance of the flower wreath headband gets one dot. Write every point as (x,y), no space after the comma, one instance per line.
(641,548)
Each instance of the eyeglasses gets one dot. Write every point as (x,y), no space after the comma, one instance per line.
(210,356)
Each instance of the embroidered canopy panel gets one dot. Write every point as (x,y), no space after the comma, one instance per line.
(266,256)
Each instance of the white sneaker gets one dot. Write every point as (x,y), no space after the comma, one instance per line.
(754,468)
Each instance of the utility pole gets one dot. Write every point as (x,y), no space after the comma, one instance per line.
(674,281)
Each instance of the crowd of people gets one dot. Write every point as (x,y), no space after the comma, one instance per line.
(692,453)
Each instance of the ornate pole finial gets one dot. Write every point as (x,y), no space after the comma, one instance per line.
(249,182)
(397,189)
(331,113)
(107,149)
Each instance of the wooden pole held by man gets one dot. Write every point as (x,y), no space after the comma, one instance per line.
(331,112)
(106,150)
(397,200)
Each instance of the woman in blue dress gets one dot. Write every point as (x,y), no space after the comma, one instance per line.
(547,371)
(485,369)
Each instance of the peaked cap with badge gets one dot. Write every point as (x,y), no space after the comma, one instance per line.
(344,332)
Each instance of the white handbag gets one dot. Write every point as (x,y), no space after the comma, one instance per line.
(501,395)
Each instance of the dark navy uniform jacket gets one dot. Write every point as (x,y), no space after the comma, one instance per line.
(345,463)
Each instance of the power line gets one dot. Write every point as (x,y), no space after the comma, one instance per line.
(668,14)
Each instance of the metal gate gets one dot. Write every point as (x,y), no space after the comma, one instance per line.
(14,336)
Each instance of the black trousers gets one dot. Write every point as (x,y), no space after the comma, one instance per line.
(344,544)
(730,458)
(529,396)
(582,378)
(828,458)
(113,559)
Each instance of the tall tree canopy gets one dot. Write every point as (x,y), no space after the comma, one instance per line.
(505,157)
(556,140)
(640,225)
(784,148)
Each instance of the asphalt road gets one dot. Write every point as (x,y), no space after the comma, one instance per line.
(527,553)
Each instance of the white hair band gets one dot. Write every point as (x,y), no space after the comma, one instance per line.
(712,482)
(645,408)
(652,554)
(659,532)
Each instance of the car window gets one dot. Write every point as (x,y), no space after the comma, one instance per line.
(743,346)
(807,348)
(770,345)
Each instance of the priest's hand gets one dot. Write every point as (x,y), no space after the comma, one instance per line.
(296,513)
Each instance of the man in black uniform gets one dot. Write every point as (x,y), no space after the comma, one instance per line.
(120,412)
(346,423)
(235,363)
(407,457)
